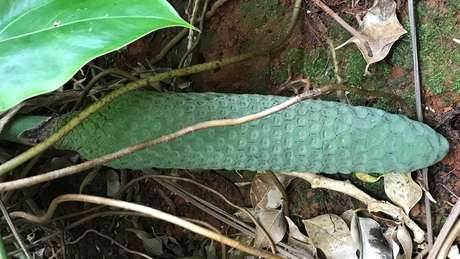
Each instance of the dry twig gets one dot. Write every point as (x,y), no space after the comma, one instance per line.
(30,153)
(96,78)
(70,170)
(447,244)
(445,230)
(14,231)
(215,211)
(176,39)
(244,210)
(345,25)
(373,205)
(145,210)
(111,240)
(419,110)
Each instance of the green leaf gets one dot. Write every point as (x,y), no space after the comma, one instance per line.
(43,43)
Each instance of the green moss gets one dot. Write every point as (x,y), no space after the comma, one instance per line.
(401,53)
(436,81)
(355,68)
(409,98)
(318,67)
(438,55)
(314,64)
(437,51)
(457,82)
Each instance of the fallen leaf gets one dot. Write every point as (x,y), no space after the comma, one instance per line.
(113,183)
(354,230)
(274,223)
(367,178)
(390,236)
(267,192)
(373,242)
(172,246)
(294,231)
(211,251)
(152,245)
(298,240)
(330,233)
(243,216)
(89,177)
(405,239)
(348,216)
(381,28)
(402,190)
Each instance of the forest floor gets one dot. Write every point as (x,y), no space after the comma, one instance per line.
(244,25)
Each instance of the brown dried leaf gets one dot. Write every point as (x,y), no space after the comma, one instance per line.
(390,237)
(274,223)
(373,242)
(89,177)
(402,190)
(152,245)
(266,192)
(113,183)
(330,233)
(381,28)
(243,216)
(404,238)
(298,240)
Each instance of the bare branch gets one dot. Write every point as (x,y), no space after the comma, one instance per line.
(147,211)
(373,205)
(70,170)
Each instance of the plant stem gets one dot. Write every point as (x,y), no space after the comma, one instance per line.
(148,211)
(3,254)
(59,173)
(33,151)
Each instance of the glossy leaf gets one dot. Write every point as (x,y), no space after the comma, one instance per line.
(43,43)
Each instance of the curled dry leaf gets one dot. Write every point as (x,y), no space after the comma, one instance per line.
(351,218)
(298,240)
(274,223)
(244,216)
(402,190)
(113,183)
(348,216)
(330,233)
(367,178)
(404,238)
(294,231)
(381,28)
(390,236)
(152,245)
(267,192)
(211,251)
(373,242)
(89,177)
